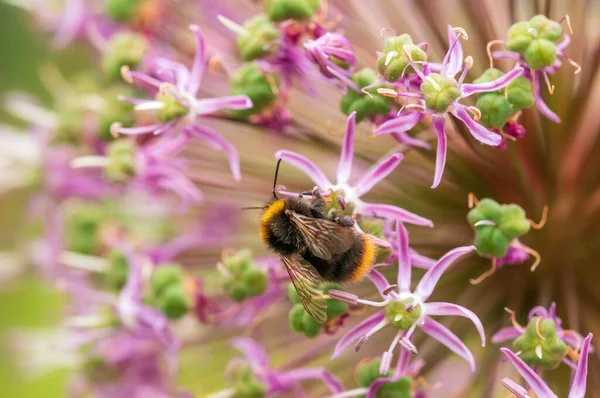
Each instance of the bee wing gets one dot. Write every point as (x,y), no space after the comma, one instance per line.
(307,280)
(323,237)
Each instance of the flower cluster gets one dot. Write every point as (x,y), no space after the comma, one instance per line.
(125,195)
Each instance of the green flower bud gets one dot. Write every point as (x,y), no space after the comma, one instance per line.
(292,294)
(363,104)
(81,235)
(122,10)
(115,111)
(520,94)
(172,108)
(115,277)
(241,277)
(165,276)
(173,301)
(535,40)
(495,110)
(440,91)
(375,227)
(510,223)
(399,316)
(519,37)
(121,162)
(302,322)
(546,28)
(125,48)
(368,372)
(236,290)
(97,370)
(252,389)
(540,344)
(259,39)
(251,81)
(280,10)
(540,53)
(392,61)
(335,308)
(257,281)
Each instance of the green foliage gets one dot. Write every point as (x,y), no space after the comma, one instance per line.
(280,10)
(540,344)
(259,39)
(509,221)
(393,61)
(250,80)
(363,104)
(440,91)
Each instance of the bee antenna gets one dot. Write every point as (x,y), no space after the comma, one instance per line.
(254,208)
(275,179)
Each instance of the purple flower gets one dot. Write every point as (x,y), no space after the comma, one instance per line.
(571,337)
(515,255)
(275,381)
(328,51)
(440,94)
(535,382)
(406,310)
(176,104)
(351,193)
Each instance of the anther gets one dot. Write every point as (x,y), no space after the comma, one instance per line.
(331,131)
(126,74)
(388,92)
(469,62)
(507,136)
(475,112)
(114,129)
(214,63)
(486,274)
(416,107)
(388,289)
(473,201)
(461,32)
(540,224)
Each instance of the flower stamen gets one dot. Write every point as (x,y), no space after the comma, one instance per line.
(567,18)
(387,92)
(486,274)
(126,74)
(475,112)
(532,252)
(548,84)
(513,320)
(488,50)
(540,224)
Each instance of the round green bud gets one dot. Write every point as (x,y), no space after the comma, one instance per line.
(495,110)
(81,232)
(240,261)
(310,327)
(393,61)
(165,276)
(540,344)
(546,28)
(122,10)
(171,109)
(399,316)
(252,81)
(121,161)
(250,389)
(514,222)
(260,38)
(292,294)
(296,318)
(280,10)
(440,91)
(363,104)
(491,241)
(115,111)
(368,372)
(486,209)
(396,389)
(124,48)
(520,94)
(335,308)
(540,53)
(489,75)
(236,290)
(256,280)
(519,37)
(115,277)
(173,301)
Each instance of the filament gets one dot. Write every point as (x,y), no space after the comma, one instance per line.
(475,112)
(486,274)
(548,84)
(331,131)
(513,320)
(488,50)
(540,224)
(567,18)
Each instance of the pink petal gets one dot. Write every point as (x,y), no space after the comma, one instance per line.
(255,353)
(345,165)
(454,57)
(505,334)
(70,24)
(539,102)
(456,310)
(357,332)
(377,173)
(403,122)
(449,339)
(306,165)
(406,139)
(433,275)
(219,141)
(380,281)
(137,130)
(404,265)
(212,105)
(517,390)
(197,70)
(477,130)
(503,81)
(534,381)
(439,122)
(579,380)
(393,213)
(420,261)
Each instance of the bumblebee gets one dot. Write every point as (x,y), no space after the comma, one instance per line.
(314,247)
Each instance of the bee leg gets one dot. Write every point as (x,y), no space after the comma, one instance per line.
(344,221)
(317,207)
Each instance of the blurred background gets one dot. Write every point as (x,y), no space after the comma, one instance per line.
(555,165)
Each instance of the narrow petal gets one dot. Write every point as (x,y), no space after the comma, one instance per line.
(296,375)
(534,381)
(403,122)
(147,129)
(420,261)
(433,275)
(439,122)
(345,165)
(505,334)
(406,139)
(503,54)
(255,353)
(456,310)
(393,213)
(579,380)
(454,57)
(539,102)
(212,105)
(306,165)
(477,130)
(538,310)
(216,139)
(449,339)
(503,81)
(404,266)
(516,389)
(377,173)
(357,332)
(402,365)
(197,70)
(380,282)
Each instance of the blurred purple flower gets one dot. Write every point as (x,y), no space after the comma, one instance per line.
(537,384)
(328,50)
(408,310)
(352,193)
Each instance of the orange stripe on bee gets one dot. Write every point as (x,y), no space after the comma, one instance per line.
(369,254)
(271,211)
